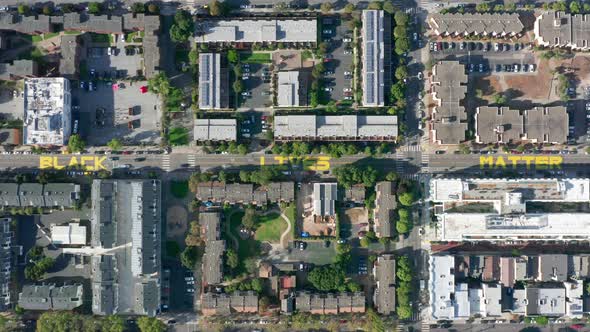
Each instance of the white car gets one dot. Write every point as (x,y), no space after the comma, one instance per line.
(347,73)
(347,40)
(420,75)
(328,89)
(347,89)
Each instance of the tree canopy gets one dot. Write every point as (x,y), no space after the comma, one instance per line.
(349,175)
(150,324)
(76,144)
(115,144)
(182,28)
(327,278)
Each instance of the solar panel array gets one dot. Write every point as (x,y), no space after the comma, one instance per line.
(373,62)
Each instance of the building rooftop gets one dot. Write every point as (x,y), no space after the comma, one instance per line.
(385,205)
(553,267)
(70,234)
(324,199)
(376,49)
(126,219)
(449,89)
(7,261)
(563,30)
(495,24)
(335,127)
(47,106)
(18,69)
(545,301)
(50,297)
(213,82)
(70,54)
(215,130)
(237,192)
(257,30)
(442,286)
(384,272)
(288,93)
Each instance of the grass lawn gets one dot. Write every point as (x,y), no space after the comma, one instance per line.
(179,189)
(178,136)
(102,38)
(248,248)
(71,32)
(270,228)
(36,38)
(50,35)
(255,57)
(290,213)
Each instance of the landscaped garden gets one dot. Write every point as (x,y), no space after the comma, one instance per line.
(179,189)
(255,57)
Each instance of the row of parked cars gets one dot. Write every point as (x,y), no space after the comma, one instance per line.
(516,68)
(474,46)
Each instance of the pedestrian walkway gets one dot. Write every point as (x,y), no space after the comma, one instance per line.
(399,328)
(166,163)
(425,162)
(414,177)
(192,160)
(425,326)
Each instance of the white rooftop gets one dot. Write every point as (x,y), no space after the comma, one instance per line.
(260,30)
(47,106)
(442,286)
(493,227)
(68,234)
(288,92)
(215,130)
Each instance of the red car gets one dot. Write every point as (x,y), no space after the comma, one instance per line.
(576,326)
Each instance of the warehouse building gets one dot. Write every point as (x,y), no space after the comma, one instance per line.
(215,130)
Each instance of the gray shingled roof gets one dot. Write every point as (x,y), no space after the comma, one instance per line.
(547,124)
(245,193)
(18,69)
(6,261)
(385,278)
(127,212)
(476,24)
(50,297)
(385,205)
(449,88)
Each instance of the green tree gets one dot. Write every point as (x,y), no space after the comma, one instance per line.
(47,10)
(388,7)
(326,7)
(113,323)
(402,45)
(374,322)
(402,227)
(238,86)
(115,144)
(153,8)
(257,285)
(182,28)
(231,258)
(138,7)
(575,7)
(375,5)
(216,8)
(349,8)
(150,324)
(391,176)
(482,7)
(94,8)
(407,198)
(400,31)
(250,219)
(401,72)
(193,57)
(233,56)
(23,9)
(189,257)
(327,278)
(76,144)
(401,18)
(404,312)
(243,149)
(365,242)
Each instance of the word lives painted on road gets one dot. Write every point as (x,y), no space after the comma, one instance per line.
(538,162)
(87,163)
(319,164)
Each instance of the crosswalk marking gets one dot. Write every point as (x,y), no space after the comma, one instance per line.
(166,163)
(192,160)
(415,177)
(411,148)
(426,162)
(399,166)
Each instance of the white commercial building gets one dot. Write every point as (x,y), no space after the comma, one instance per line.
(48,111)
(70,234)
(498,209)
(257,30)
(288,89)
(442,287)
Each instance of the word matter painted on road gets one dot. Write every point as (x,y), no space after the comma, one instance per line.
(539,162)
(319,164)
(88,163)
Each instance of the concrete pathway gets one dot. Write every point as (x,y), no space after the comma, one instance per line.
(284,243)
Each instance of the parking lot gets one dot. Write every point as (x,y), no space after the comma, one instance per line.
(485,57)
(256,79)
(338,63)
(124,113)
